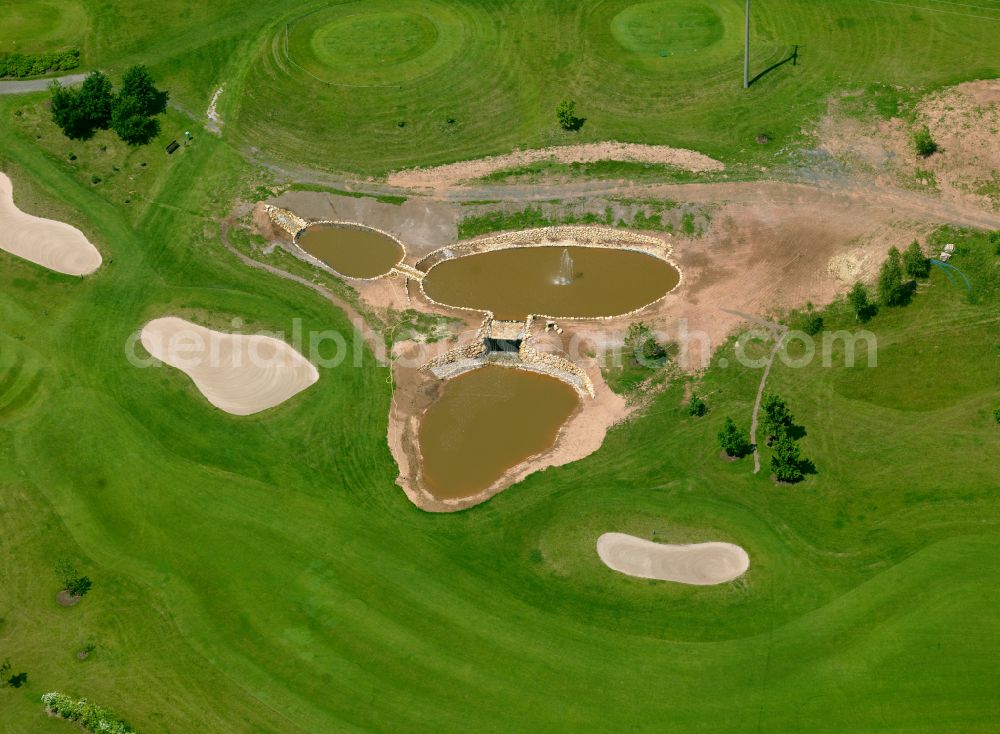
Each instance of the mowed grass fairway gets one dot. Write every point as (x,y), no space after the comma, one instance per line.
(264,574)
(661,71)
(344,75)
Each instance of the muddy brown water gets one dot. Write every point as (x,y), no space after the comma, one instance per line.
(487,421)
(518,281)
(352,251)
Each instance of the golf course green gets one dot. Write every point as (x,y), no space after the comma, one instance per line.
(264,573)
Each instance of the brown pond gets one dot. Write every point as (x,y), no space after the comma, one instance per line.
(552,281)
(356,252)
(487,421)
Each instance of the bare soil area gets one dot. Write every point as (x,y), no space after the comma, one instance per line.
(963,120)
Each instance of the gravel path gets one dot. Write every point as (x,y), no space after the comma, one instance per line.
(38,85)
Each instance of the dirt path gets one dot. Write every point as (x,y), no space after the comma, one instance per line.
(760,394)
(443,177)
(38,85)
(371,338)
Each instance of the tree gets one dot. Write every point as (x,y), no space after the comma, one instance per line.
(71,579)
(566,114)
(642,346)
(777,417)
(95,99)
(924,143)
(733,441)
(68,113)
(79,586)
(697,407)
(858,297)
(137,85)
(916,263)
(786,462)
(891,290)
(131,124)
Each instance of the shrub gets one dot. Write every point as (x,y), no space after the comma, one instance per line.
(697,407)
(996,414)
(642,347)
(809,322)
(566,115)
(924,143)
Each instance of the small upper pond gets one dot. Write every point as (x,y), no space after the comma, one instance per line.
(552,281)
(356,252)
(487,421)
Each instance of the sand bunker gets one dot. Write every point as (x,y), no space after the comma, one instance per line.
(701,564)
(238,373)
(54,245)
(452,173)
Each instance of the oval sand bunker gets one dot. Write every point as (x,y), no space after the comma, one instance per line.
(238,373)
(356,252)
(54,245)
(701,564)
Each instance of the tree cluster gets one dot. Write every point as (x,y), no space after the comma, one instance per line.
(19,65)
(899,273)
(131,112)
(778,425)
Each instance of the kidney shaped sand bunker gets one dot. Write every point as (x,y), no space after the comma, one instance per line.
(701,564)
(238,373)
(54,245)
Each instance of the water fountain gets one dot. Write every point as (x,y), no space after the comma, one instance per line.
(565,276)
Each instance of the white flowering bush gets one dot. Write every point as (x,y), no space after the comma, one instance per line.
(89,715)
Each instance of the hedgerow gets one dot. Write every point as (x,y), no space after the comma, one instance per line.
(20,65)
(88,715)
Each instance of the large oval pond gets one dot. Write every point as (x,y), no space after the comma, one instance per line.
(552,281)
(487,421)
(356,252)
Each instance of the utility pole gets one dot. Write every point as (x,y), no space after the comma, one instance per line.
(746,49)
